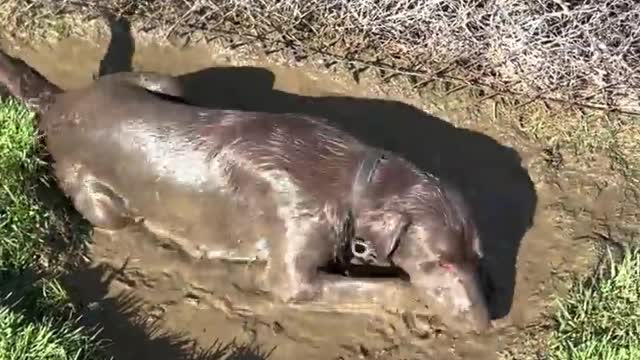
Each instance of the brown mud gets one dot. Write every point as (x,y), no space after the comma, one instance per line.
(153,302)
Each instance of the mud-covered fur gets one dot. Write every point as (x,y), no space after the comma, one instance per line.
(281,188)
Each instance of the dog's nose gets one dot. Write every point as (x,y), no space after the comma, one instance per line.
(484,326)
(479,319)
(473,326)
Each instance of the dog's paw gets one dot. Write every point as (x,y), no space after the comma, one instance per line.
(421,325)
(303,293)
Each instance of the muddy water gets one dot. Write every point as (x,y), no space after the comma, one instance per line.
(150,298)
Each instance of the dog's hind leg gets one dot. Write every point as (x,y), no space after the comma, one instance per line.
(94,200)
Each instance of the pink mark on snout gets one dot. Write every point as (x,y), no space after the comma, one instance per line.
(445,265)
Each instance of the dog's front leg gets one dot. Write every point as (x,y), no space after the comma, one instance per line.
(293,273)
(361,296)
(292,269)
(336,289)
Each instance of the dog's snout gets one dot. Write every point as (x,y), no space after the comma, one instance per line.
(478,317)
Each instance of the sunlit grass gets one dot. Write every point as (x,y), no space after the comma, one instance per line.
(35,320)
(600,317)
(20,167)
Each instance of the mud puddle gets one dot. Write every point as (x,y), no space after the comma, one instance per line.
(152,301)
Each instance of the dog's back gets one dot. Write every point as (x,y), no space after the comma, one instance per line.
(194,171)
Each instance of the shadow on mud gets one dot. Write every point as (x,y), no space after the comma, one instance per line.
(500,191)
(134,334)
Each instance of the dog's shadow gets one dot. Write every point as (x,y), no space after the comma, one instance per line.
(500,192)
(130,333)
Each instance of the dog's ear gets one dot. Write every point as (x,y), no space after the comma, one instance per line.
(476,247)
(399,224)
(384,230)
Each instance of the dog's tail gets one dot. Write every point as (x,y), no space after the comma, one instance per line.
(26,83)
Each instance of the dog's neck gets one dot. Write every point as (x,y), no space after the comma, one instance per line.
(364,176)
(349,247)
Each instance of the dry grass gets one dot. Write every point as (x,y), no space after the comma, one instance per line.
(583,135)
(585,51)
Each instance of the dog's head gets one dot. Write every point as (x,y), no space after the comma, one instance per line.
(426,229)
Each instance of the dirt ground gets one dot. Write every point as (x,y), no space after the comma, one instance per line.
(536,210)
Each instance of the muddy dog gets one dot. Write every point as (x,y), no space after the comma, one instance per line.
(286,189)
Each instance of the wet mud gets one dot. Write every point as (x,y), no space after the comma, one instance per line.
(154,302)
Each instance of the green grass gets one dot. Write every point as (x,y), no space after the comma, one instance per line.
(36,321)
(20,215)
(47,338)
(600,317)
